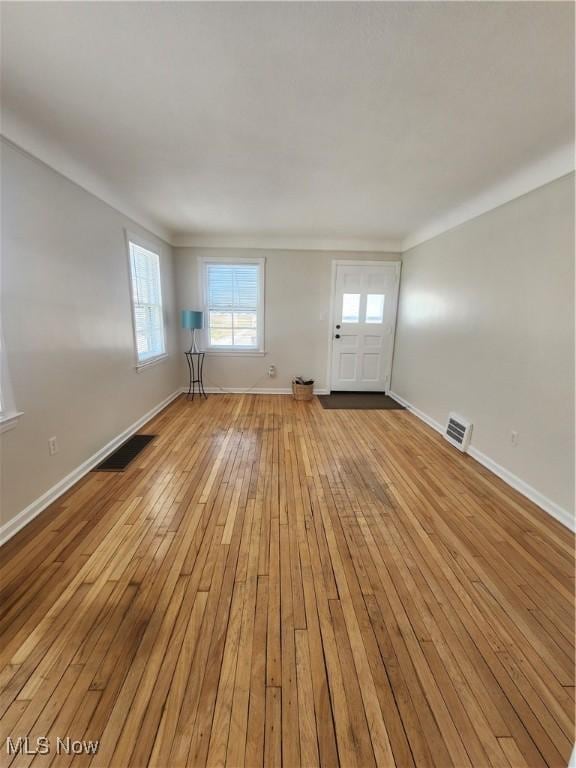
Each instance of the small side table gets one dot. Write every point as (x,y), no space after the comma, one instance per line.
(196,371)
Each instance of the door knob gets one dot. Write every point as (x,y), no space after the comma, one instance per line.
(337,336)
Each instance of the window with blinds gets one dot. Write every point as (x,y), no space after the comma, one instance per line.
(233,294)
(146,303)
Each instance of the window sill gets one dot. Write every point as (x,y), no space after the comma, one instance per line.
(9,420)
(150,363)
(234,353)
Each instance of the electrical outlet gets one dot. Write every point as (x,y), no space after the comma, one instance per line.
(514,437)
(271,370)
(52,446)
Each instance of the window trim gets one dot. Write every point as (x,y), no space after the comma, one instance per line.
(9,420)
(260,349)
(9,414)
(148,245)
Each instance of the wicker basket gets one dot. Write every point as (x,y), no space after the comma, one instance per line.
(302,391)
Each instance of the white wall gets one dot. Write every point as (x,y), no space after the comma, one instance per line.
(486,328)
(68,329)
(297,301)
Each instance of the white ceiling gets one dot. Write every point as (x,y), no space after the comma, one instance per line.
(334,122)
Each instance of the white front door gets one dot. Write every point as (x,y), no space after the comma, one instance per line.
(364,319)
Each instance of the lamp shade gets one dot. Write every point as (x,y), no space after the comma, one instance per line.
(192,319)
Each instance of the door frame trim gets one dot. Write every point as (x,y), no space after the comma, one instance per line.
(360,263)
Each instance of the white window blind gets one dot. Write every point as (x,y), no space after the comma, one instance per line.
(233,305)
(147,303)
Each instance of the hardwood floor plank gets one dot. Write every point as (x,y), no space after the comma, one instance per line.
(220,728)
(290,730)
(306,717)
(272,740)
(257,698)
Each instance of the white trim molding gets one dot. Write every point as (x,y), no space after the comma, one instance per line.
(549,506)
(34,147)
(151,362)
(232,353)
(417,412)
(28,514)
(553,166)
(9,420)
(285,242)
(549,168)
(252,391)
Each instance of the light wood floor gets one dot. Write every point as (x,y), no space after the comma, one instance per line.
(275,584)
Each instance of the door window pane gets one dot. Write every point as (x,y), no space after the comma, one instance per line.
(374,307)
(351,308)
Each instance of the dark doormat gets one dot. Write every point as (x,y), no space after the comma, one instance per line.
(360,401)
(119,460)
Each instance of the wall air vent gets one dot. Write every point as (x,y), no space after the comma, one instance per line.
(458,431)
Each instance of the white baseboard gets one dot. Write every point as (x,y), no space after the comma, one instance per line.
(253,391)
(549,506)
(33,510)
(417,412)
